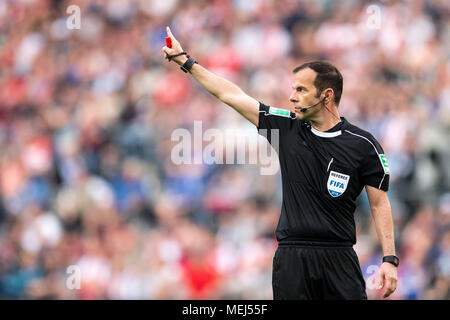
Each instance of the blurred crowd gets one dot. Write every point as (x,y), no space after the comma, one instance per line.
(86,118)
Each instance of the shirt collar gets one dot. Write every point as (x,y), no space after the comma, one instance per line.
(331,133)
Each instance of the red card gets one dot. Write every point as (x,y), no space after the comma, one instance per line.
(168,42)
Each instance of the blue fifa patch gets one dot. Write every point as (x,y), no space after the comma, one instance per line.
(337,183)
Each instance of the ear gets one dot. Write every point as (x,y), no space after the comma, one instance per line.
(328,94)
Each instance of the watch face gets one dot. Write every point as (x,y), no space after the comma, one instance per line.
(392,259)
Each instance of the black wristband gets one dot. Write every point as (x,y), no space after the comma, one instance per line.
(188,64)
(392,259)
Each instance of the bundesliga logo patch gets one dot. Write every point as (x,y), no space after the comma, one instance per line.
(279,112)
(385,164)
(337,183)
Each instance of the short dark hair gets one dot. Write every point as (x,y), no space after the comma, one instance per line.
(328,76)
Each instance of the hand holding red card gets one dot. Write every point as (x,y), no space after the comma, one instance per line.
(173,50)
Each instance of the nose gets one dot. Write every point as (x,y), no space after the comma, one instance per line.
(292,97)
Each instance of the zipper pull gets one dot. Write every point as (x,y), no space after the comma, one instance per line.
(329,164)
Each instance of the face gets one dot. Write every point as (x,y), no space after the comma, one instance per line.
(304,94)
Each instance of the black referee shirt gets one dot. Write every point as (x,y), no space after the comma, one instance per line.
(322,175)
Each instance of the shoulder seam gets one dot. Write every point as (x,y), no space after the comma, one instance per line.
(382,167)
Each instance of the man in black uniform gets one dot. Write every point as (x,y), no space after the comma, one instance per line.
(325,163)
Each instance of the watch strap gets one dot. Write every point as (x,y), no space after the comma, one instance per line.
(188,64)
(392,259)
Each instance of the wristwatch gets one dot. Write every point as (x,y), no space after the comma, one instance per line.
(392,259)
(188,64)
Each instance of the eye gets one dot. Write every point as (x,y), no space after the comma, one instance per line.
(299,89)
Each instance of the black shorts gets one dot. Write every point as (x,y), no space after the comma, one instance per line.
(317,271)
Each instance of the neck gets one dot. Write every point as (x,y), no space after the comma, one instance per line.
(326,121)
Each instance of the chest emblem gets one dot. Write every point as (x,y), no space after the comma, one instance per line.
(337,183)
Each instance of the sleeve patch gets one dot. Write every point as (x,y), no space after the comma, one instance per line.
(279,112)
(384,163)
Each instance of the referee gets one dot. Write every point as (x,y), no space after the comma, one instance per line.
(325,163)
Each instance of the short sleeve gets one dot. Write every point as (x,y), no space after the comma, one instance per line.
(271,118)
(375,169)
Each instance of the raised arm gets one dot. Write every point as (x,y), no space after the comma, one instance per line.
(223,89)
